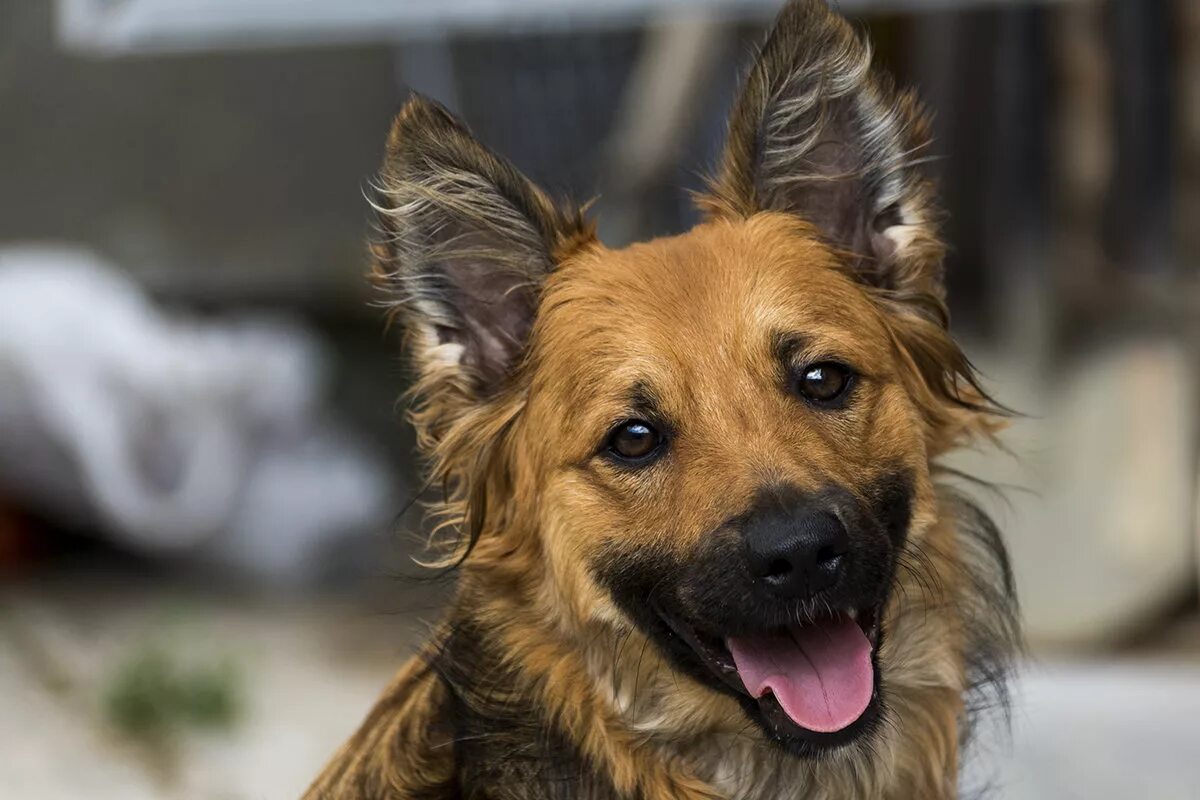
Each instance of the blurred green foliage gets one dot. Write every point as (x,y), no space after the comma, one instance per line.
(151,695)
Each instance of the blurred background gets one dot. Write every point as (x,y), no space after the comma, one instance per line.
(205,542)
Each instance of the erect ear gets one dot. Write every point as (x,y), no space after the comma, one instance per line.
(818,133)
(466,242)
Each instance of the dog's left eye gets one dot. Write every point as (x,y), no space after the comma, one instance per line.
(634,441)
(824,383)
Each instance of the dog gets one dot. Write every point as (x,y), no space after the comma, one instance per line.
(705,545)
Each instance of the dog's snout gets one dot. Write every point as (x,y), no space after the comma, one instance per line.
(796,555)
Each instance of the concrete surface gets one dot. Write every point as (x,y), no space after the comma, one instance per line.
(309,671)
(312,667)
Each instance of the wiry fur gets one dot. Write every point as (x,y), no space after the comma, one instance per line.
(529,337)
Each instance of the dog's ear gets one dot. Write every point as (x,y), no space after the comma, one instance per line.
(465,244)
(818,133)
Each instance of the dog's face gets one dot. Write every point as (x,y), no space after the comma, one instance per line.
(722,439)
(729,457)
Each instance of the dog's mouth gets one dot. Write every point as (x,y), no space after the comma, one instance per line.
(815,683)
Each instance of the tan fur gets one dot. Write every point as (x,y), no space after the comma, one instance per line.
(398,751)
(512,430)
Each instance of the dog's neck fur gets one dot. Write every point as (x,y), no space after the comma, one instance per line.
(640,729)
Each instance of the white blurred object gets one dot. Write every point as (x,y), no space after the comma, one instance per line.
(170,434)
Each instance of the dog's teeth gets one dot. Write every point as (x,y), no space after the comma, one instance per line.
(853,614)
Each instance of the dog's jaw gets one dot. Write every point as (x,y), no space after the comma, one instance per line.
(922,666)
(707,736)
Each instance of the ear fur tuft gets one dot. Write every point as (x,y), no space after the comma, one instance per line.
(464,244)
(819,133)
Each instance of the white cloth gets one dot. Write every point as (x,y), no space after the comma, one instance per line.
(169,433)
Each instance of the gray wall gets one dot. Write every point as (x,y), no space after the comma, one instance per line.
(226,176)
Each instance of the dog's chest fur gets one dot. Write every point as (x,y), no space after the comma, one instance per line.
(731,757)
(506,748)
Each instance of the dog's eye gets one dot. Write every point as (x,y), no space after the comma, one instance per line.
(634,440)
(825,383)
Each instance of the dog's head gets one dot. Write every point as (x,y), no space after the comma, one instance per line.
(722,439)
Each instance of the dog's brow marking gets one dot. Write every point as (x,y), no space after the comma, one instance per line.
(787,345)
(643,399)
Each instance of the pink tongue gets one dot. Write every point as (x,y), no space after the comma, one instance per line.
(821,674)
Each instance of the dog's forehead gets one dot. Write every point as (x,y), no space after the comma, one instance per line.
(722,287)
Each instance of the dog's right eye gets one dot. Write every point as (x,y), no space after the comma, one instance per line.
(825,384)
(634,441)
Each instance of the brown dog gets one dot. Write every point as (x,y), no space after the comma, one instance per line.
(692,484)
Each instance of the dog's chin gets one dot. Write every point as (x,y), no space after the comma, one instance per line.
(708,658)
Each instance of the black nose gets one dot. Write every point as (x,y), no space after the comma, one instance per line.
(796,555)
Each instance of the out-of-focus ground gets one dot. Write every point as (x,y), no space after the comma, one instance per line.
(312,667)
(1132,725)
(307,670)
